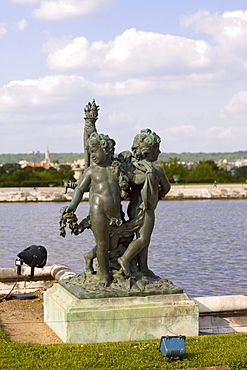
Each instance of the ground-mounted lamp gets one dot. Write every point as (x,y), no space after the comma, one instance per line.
(33,256)
(173,347)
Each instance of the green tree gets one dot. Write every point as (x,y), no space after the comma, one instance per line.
(174,167)
(204,172)
(242,172)
(38,176)
(2,171)
(20,174)
(208,171)
(3,176)
(225,176)
(212,164)
(11,167)
(66,173)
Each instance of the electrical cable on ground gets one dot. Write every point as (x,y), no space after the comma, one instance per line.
(6,297)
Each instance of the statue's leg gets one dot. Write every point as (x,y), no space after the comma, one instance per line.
(113,242)
(141,242)
(100,229)
(125,266)
(142,258)
(89,257)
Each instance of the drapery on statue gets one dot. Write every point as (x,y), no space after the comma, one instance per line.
(149,183)
(122,245)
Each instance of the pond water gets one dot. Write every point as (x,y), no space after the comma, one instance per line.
(199,245)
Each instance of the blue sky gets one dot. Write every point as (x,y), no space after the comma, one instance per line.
(179,68)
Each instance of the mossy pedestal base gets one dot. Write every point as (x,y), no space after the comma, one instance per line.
(99,320)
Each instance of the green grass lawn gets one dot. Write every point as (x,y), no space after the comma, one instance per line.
(212,350)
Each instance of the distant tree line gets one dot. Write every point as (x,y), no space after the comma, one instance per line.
(204,172)
(38,157)
(197,157)
(12,175)
(163,157)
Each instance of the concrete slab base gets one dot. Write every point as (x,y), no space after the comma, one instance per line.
(99,320)
(223,323)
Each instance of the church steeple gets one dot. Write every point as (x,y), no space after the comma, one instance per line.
(47,156)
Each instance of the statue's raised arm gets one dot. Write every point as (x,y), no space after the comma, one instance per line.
(91,116)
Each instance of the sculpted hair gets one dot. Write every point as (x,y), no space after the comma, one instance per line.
(143,142)
(104,141)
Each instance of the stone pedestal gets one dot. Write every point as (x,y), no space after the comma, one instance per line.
(99,320)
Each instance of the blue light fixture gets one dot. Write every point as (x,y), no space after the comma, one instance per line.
(173,347)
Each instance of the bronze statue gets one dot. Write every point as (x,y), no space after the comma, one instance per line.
(149,183)
(121,245)
(102,182)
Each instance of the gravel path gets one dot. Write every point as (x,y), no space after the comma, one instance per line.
(23,321)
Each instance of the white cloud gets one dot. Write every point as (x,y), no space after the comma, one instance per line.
(121,117)
(70,56)
(62,9)
(211,132)
(183,129)
(54,44)
(182,82)
(237,105)
(25,1)
(3,31)
(47,91)
(22,24)
(58,89)
(227,25)
(175,62)
(124,88)
(217,132)
(56,102)
(133,53)
(228,31)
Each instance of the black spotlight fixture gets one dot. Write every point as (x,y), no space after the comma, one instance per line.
(33,256)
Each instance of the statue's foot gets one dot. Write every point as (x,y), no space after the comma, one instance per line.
(105,281)
(89,263)
(150,273)
(124,266)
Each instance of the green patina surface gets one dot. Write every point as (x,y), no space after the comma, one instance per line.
(86,285)
(77,320)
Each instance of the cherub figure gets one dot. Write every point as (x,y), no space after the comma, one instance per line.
(149,183)
(102,182)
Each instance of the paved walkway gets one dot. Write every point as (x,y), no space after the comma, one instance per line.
(210,186)
(182,186)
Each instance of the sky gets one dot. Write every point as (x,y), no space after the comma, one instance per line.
(177,67)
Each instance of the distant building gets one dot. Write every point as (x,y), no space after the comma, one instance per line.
(41,164)
(232,164)
(191,165)
(241,162)
(78,167)
(46,163)
(47,156)
(78,163)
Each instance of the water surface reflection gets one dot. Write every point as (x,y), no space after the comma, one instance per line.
(199,245)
